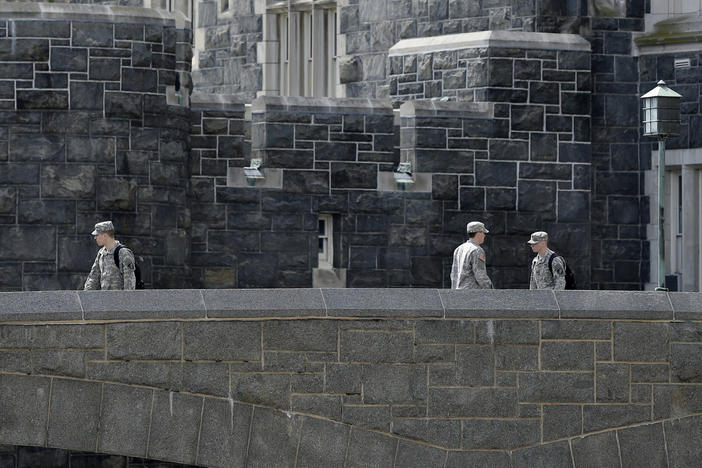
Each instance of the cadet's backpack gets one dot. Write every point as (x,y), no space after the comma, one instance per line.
(137,270)
(569,275)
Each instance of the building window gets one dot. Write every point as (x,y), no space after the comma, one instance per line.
(325,251)
(182,6)
(223,6)
(305,35)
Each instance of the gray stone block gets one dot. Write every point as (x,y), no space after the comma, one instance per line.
(614,304)
(493,459)
(473,402)
(124,418)
(16,361)
(499,303)
(263,303)
(145,304)
(224,435)
(681,437)
(32,147)
(642,446)
(445,433)
(612,383)
(596,450)
(75,412)
(554,454)
(519,358)
(209,378)
(475,366)
(147,341)
(263,389)
(639,341)
(92,34)
(556,387)
(382,302)
(274,438)
(500,434)
(76,181)
(675,401)
(24,404)
(410,455)
(567,355)
(507,332)
(576,330)
(686,362)
(322,443)
(686,306)
(361,346)
(87,96)
(370,449)
(153,374)
(650,372)
(307,335)
(69,59)
(343,378)
(222,341)
(175,427)
(561,421)
(598,417)
(444,331)
(66,362)
(327,406)
(123,105)
(394,384)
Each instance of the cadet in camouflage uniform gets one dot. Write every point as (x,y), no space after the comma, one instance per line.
(541,276)
(104,274)
(468,270)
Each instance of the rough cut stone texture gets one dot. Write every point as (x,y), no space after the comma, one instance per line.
(409,381)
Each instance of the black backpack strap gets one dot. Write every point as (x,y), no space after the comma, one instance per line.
(550,262)
(116,255)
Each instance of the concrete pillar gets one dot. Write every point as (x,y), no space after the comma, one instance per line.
(690,214)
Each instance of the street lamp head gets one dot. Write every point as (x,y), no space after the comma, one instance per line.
(661,112)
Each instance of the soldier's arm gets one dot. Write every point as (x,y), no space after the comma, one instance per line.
(558,273)
(455,274)
(480,271)
(127,266)
(532,281)
(93,280)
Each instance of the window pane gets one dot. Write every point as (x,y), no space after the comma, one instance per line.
(322,227)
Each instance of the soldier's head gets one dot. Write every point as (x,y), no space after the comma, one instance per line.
(104,233)
(476,232)
(538,241)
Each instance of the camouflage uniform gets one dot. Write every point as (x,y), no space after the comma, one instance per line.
(106,276)
(541,277)
(468,270)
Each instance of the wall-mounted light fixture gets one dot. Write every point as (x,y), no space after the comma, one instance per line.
(252,172)
(403,175)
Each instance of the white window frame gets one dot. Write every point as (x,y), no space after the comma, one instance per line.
(326,256)
(305,62)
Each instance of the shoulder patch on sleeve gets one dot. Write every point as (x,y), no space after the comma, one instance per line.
(481,258)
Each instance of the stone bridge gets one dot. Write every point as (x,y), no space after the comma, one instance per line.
(342,377)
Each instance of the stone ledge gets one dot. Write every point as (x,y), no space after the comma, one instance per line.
(447,109)
(224,102)
(322,105)
(83,12)
(159,304)
(485,39)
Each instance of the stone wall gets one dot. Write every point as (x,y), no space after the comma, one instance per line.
(377,377)
(86,135)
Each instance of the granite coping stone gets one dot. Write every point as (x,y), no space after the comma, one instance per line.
(322,105)
(157,303)
(85,12)
(686,305)
(40,306)
(383,302)
(47,306)
(263,302)
(499,303)
(644,305)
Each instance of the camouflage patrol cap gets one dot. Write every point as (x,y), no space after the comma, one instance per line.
(476,226)
(537,237)
(104,226)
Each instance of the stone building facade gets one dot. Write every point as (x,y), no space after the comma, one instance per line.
(522,114)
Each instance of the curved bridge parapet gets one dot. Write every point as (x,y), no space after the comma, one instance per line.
(344,377)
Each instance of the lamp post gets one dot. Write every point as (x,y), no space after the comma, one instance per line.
(661,119)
